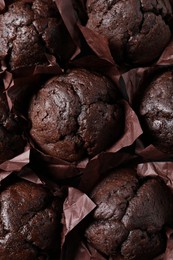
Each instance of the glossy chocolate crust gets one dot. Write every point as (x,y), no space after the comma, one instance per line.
(134,28)
(31,29)
(156,110)
(29,222)
(75,115)
(11,142)
(130,216)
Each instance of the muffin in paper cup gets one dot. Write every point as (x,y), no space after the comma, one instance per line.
(154,173)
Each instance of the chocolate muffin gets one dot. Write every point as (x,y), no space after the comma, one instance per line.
(156,111)
(31,31)
(130,216)
(29,222)
(11,141)
(133,28)
(75,115)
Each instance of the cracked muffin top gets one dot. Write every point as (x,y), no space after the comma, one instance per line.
(137,30)
(75,115)
(130,216)
(11,142)
(156,111)
(29,31)
(29,222)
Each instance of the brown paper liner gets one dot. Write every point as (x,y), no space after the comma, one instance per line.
(55,169)
(132,130)
(75,210)
(98,44)
(70,20)
(51,68)
(27,174)
(76,207)
(14,165)
(20,167)
(8,81)
(162,169)
(150,152)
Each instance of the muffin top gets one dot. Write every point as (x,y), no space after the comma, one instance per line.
(29,222)
(137,30)
(130,216)
(156,111)
(30,30)
(75,115)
